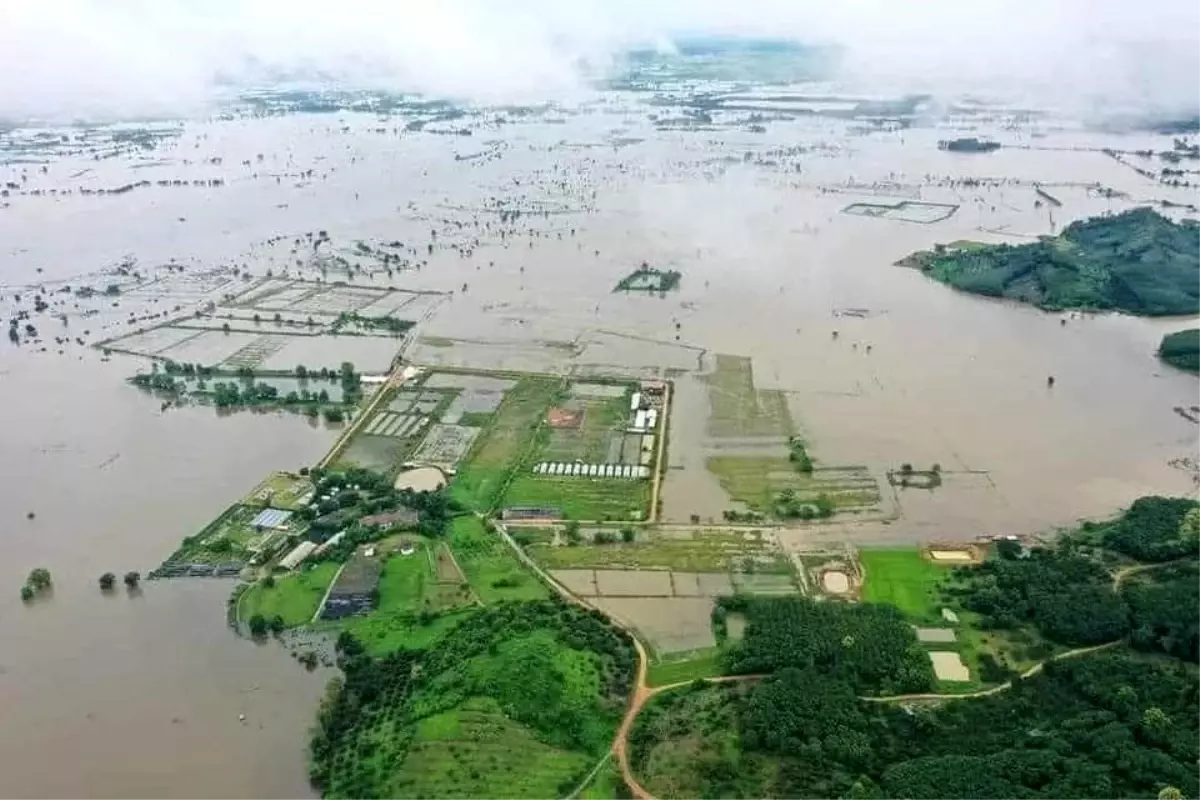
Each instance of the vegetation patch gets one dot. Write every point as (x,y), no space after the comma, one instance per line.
(293,599)
(1139,262)
(775,488)
(493,570)
(647,279)
(738,409)
(1106,725)
(704,551)
(592,499)
(517,701)
(1182,349)
(905,579)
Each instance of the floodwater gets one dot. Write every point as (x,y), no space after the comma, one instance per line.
(141,695)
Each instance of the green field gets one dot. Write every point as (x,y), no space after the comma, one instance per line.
(409,585)
(591,499)
(757,481)
(603,419)
(697,664)
(280,490)
(737,408)
(294,597)
(384,632)
(450,750)
(698,551)
(505,443)
(605,784)
(904,579)
(519,700)
(491,566)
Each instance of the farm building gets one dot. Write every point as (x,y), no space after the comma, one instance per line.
(296,557)
(392,519)
(355,589)
(273,518)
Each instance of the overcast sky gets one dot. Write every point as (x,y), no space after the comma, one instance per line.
(113,57)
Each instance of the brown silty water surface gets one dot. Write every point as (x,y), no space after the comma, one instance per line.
(141,695)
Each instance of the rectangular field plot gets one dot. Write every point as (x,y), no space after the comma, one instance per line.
(582,498)
(707,551)
(758,482)
(633,583)
(209,348)
(650,583)
(281,490)
(591,431)
(670,624)
(255,353)
(737,409)
(157,341)
(905,210)
(754,583)
(398,425)
(445,445)
(379,453)
(337,300)
(367,353)
(903,578)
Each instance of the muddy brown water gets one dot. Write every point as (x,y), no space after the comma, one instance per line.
(121,696)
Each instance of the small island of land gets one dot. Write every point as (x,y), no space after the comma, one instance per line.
(1182,349)
(1139,262)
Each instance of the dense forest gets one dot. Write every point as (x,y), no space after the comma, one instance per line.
(1139,262)
(870,647)
(519,700)
(1103,725)
(1182,349)
(1117,722)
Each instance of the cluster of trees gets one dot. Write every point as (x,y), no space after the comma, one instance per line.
(870,647)
(1156,529)
(1103,725)
(562,672)
(789,505)
(38,582)
(798,455)
(108,580)
(383,323)
(1139,262)
(1182,349)
(1067,596)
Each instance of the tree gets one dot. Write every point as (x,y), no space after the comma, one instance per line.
(301,371)
(106,581)
(1170,793)
(276,624)
(39,579)
(258,626)
(225,327)
(627,534)
(571,529)
(132,578)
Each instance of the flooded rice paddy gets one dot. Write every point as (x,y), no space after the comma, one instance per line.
(503,249)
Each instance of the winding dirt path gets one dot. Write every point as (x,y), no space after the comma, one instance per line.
(643,692)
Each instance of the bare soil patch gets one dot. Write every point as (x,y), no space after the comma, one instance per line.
(949,666)
(633,583)
(578,581)
(671,624)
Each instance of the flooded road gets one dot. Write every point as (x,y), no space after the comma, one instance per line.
(140,696)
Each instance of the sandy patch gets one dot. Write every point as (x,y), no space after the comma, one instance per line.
(672,624)
(422,479)
(735,626)
(633,583)
(951,555)
(949,666)
(579,581)
(935,635)
(835,582)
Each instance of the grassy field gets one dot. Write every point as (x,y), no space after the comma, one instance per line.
(491,567)
(294,597)
(592,499)
(757,482)
(603,418)
(738,409)
(704,663)
(699,551)
(904,579)
(410,585)
(280,490)
(504,443)
(474,750)
(384,632)
(605,784)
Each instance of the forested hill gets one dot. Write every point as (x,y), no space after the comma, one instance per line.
(1182,349)
(1139,262)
